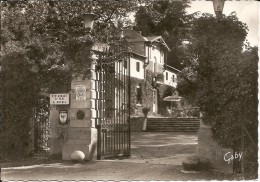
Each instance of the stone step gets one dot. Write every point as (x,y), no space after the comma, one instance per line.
(163,127)
(193,131)
(180,121)
(169,124)
(173,119)
(179,128)
(173,124)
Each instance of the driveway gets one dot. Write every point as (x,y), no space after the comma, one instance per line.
(155,156)
(162,147)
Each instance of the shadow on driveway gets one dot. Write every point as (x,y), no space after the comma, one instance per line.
(162,147)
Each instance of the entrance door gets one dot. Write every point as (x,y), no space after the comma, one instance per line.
(113,108)
(155,103)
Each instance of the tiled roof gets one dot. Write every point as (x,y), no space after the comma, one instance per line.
(158,38)
(133,36)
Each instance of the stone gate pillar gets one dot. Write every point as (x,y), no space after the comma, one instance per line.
(79,128)
(79,133)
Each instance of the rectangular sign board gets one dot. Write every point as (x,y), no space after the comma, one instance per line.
(59,99)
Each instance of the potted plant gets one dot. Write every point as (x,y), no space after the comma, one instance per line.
(145,112)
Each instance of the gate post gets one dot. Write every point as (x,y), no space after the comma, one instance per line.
(80,132)
(79,127)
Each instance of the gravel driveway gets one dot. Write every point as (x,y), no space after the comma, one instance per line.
(155,156)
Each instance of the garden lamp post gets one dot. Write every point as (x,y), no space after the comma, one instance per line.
(218,7)
(89,21)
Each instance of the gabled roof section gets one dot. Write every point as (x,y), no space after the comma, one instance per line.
(152,38)
(170,68)
(158,39)
(133,36)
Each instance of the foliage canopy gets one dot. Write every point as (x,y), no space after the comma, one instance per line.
(42,44)
(170,20)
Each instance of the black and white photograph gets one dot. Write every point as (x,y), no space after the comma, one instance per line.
(129,90)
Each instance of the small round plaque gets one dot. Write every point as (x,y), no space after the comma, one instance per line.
(80,114)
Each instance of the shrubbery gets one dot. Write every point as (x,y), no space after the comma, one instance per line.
(225,80)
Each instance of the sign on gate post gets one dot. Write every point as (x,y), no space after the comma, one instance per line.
(59,99)
(80,92)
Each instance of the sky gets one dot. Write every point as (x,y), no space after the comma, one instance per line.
(247,12)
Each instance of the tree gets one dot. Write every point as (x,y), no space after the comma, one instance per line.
(225,80)
(170,20)
(187,81)
(43,45)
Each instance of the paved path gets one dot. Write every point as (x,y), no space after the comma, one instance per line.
(155,156)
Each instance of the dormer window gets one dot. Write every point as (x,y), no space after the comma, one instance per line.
(166,75)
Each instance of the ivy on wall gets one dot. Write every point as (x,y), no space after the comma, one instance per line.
(147,87)
(21,85)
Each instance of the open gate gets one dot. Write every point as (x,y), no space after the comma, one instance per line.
(114,106)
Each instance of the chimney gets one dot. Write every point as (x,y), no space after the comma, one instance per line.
(140,32)
(130,27)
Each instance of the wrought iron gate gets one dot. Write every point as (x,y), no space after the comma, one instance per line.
(41,127)
(114,106)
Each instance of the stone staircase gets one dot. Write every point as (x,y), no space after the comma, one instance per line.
(173,124)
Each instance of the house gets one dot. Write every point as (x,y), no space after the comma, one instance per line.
(149,72)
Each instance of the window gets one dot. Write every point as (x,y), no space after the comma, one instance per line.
(138,66)
(154,97)
(161,60)
(154,64)
(125,64)
(166,75)
(149,52)
(173,78)
(138,94)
